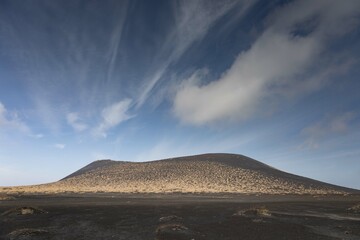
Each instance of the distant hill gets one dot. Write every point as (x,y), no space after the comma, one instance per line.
(211,173)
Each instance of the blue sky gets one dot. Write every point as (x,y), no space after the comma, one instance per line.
(146,80)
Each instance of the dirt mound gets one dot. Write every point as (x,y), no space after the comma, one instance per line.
(28,234)
(254,212)
(207,173)
(23,211)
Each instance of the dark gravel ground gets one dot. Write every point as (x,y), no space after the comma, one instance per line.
(179,216)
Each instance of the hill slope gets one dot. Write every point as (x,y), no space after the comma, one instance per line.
(200,173)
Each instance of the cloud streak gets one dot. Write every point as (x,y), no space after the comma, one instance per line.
(115,40)
(294,39)
(74,121)
(112,116)
(327,128)
(59,146)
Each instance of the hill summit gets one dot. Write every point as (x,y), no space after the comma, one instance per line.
(207,173)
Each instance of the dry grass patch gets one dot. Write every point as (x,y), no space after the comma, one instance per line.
(254,212)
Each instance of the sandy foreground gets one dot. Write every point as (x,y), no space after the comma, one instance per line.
(179,216)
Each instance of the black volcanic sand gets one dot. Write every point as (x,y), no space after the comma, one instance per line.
(181,216)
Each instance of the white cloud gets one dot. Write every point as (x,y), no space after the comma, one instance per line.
(112,116)
(326,128)
(241,88)
(11,121)
(37,136)
(187,14)
(60,145)
(75,122)
(293,40)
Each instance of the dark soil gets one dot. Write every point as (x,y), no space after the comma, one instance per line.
(171,217)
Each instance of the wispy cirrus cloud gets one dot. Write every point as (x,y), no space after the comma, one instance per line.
(112,116)
(64,68)
(75,122)
(284,54)
(9,120)
(116,40)
(327,128)
(192,21)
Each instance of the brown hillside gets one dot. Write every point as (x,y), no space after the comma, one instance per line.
(202,173)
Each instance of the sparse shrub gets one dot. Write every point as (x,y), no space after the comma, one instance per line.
(6,198)
(355,208)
